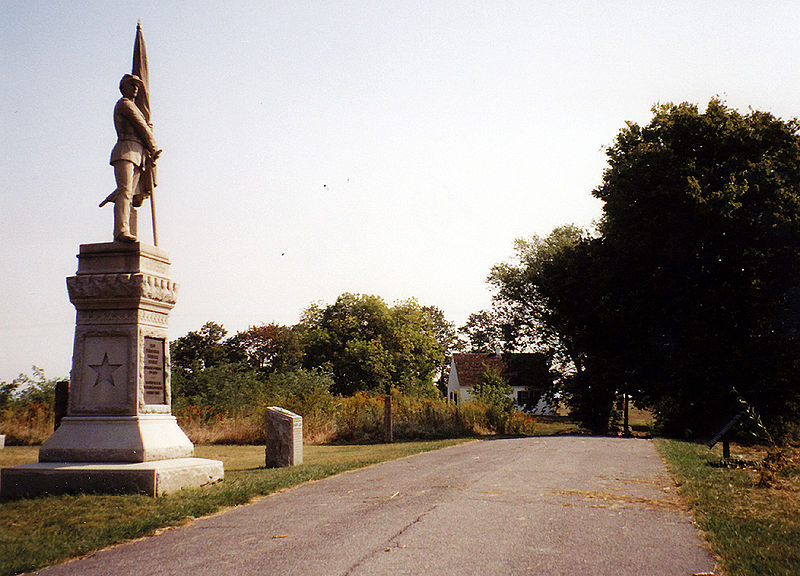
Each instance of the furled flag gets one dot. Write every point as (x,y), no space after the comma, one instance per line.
(148,181)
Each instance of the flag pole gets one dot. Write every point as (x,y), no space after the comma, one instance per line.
(140,69)
(153,215)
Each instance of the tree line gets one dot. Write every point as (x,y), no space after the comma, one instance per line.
(357,344)
(358,369)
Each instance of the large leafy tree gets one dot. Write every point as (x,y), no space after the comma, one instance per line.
(522,314)
(448,340)
(371,346)
(268,347)
(484,332)
(701,239)
(200,349)
(687,298)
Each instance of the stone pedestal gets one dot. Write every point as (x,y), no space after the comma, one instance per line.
(284,438)
(152,478)
(119,394)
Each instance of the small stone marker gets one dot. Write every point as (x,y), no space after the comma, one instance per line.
(2,441)
(61,402)
(284,438)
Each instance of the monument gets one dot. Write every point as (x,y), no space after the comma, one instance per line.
(119,433)
(284,438)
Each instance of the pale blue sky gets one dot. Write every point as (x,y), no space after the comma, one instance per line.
(312,148)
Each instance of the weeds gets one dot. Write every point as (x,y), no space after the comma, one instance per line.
(357,419)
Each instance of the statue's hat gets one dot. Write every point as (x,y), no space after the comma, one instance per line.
(130,78)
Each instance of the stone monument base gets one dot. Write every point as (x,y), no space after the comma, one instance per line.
(151,478)
(143,438)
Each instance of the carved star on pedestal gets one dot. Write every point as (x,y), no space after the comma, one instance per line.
(105,371)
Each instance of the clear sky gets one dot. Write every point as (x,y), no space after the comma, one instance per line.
(393,148)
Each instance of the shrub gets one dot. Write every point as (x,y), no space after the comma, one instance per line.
(307,393)
(26,406)
(493,389)
(359,417)
(228,386)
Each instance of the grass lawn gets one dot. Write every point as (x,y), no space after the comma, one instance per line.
(39,532)
(754,530)
(555,426)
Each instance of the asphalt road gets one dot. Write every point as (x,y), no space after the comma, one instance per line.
(555,505)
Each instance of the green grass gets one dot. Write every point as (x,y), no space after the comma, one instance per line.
(39,532)
(753,530)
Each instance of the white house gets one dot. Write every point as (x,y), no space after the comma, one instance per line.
(527,373)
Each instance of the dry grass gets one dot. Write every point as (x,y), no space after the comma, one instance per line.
(359,419)
(13,455)
(639,418)
(598,499)
(246,429)
(28,426)
(556,426)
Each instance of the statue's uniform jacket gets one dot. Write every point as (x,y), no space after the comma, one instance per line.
(134,139)
(134,136)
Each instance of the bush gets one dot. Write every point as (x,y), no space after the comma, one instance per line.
(228,405)
(359,418)
(307,393)
(519,423)
(426,418)
(26,408)
(228,386)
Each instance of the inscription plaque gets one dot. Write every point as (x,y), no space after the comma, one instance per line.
(154,392)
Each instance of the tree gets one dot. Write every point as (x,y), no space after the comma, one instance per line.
(689,295)
(370,346)
(199,350)
(7,390)
(701,239)
(521,312)
(268,347)
(24,390)
(448,340)
(550,298)
(206,369)
(483,332)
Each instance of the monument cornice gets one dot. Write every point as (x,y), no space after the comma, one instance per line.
(91,288)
